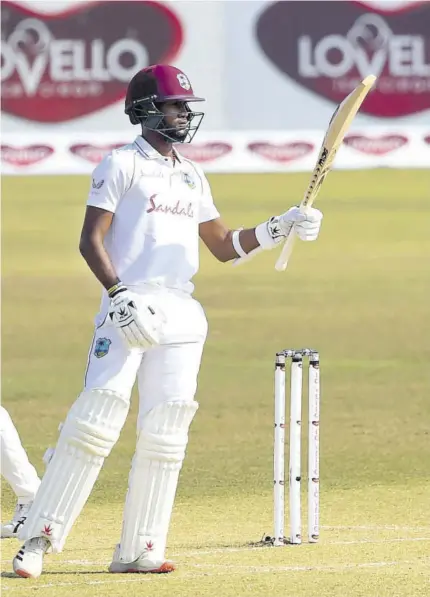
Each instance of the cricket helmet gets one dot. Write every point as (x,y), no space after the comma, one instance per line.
(155,85)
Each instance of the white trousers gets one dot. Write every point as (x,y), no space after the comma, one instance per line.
(163,373)
(167,374)
(15,466)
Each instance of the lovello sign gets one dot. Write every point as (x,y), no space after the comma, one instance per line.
(329,47)
(61,66)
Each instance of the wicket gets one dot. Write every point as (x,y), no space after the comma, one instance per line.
(296,379)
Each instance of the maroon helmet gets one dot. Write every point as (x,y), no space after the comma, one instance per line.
(155,85)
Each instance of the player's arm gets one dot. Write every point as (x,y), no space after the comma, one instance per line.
(226,244)
(109,181)
(138,327)
(96,224)
(219,239)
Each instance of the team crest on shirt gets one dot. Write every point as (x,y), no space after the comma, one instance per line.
(188,180)
(102,347)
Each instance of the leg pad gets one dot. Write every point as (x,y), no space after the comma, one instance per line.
(89,433)
(153,480)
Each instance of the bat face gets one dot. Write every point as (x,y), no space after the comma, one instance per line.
(337,129)
(319,173)
(338,126)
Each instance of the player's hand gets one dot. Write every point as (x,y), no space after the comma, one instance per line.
(138,322)
(306,226)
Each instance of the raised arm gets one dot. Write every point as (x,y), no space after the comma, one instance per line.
(226,244)
(219,239)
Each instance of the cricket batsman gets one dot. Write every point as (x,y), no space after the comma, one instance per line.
(147,208)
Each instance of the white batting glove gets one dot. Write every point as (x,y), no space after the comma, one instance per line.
(306,226)
(138,327)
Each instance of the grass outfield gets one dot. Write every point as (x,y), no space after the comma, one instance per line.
(360,295)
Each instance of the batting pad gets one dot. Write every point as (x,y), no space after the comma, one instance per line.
(89,433)
(153,479)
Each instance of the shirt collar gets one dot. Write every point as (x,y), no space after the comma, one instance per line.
(150,152)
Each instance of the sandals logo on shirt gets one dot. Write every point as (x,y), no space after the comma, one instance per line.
(102,347)
(178,209)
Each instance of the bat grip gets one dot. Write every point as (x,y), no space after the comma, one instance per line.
(287,249)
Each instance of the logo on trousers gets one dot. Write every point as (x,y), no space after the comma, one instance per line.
(102,347)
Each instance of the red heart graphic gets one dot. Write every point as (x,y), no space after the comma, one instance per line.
(427,139)
(26,155)
(282,152)
(330,51)
(57,67)
(205,152)
(375,145)
(93,153)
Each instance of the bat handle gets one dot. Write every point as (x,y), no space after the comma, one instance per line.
(287,249)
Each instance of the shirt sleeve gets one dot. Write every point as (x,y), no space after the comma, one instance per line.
(207,210)
(108,184)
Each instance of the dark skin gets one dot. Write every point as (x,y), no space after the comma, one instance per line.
(215,234)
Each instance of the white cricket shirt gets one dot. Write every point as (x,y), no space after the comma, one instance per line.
(158,206)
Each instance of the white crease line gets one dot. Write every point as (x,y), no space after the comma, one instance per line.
(305,568)
(258,547)
(221,550)
(388,527)
(377,541)
(232,569)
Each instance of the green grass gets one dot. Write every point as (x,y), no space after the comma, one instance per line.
(360,295)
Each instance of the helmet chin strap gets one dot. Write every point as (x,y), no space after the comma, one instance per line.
(168,136)
(175,136)
(172,134)
(154,120)
(161,137)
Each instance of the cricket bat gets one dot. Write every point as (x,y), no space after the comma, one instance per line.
(337,129)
